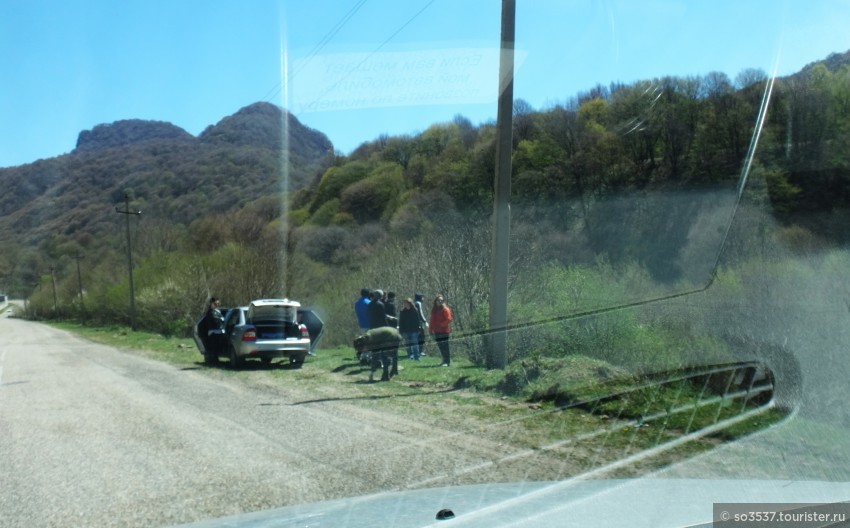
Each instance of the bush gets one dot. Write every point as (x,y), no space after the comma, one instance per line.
(544,378)
(324,215)
(321,243)
(336,179)
(368,199)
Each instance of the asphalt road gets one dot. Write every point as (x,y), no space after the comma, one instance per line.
(94,436)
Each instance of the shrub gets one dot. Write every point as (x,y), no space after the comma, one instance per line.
(368,199)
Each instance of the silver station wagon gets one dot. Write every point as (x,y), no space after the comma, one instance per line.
(267,329)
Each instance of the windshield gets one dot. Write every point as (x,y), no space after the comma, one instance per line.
(542,250)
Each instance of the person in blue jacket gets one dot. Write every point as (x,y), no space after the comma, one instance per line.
(361,308)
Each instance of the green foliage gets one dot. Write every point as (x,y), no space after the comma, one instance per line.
(336,179)
(594,113)
(437,138)
(536,155)
(369,199)
(299,217)
(206,234)
(324,215)
(169,293)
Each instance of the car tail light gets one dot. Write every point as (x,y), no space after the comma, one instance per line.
(249,335)
(304,333)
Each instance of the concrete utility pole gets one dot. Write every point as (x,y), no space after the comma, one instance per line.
(500,254)
(128,212)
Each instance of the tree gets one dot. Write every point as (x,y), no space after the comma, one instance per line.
(336,179)
(368,199)
(634,116)
(748,77)
(523,121)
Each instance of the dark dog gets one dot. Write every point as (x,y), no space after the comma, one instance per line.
(379,349)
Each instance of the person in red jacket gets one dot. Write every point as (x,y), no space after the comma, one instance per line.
(439,325)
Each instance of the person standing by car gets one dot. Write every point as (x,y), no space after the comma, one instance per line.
(439,325)
(409,323)
(213,324)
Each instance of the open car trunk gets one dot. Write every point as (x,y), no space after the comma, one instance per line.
(277,329)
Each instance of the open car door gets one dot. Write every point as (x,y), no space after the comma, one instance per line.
(314,325)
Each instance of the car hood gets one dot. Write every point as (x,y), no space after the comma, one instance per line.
(753,469)
(650,502)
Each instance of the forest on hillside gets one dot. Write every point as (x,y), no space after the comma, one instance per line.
(623,193)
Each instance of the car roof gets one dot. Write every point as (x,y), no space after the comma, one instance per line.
(275,302)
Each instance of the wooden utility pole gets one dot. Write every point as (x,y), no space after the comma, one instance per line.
(53,281)
(127,212)
(79,257)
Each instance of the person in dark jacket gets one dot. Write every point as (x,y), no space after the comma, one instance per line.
(383,342)
(390,309)
(377,310)
(408,325)
(212,332)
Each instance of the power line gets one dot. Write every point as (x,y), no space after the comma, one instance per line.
(319,46)
(315,51)
(376,50)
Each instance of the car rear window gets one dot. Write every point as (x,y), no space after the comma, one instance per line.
(271,312)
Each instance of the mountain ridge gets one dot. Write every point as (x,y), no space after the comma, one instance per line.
(177,177)
(126,132)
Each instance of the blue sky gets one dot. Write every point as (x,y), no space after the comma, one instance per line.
(355,69)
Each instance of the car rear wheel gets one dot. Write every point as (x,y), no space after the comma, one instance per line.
(235,360)
(296,361)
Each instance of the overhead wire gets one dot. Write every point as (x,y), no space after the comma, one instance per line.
(324,41)
(369,56)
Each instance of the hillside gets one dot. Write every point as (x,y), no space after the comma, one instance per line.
(259,125)
(833,63)
(639,177)
(174,177)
